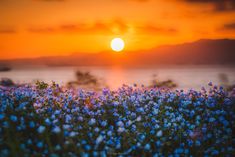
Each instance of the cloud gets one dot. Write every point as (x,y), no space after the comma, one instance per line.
(151,29)
(218,5)
(105,27)
(116,26)
(228,27)
(51,0)
(140,0)
(42,29)
(7,31)
(66,0)
(84,28)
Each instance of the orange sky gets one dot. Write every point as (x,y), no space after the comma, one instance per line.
(33,28)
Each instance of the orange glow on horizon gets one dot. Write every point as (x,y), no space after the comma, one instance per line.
(35,28)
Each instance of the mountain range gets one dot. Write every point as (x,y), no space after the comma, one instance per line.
(204,51)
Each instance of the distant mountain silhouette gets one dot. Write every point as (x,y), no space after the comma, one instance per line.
(205,51)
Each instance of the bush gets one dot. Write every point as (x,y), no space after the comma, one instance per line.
(6,82)
(87,81)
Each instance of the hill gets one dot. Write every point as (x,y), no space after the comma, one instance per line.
(205,51)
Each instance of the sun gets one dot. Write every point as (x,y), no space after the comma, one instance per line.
(117,44)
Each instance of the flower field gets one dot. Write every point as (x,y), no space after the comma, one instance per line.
(49,120)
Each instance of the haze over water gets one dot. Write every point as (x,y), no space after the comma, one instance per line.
(186,77)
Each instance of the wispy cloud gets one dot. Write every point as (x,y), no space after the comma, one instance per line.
(140,0)
(218,5)
(117,26)
(81,28)
(7,31)
(42,29)
(50,0)
(67,0)
(228,27)
(151,29)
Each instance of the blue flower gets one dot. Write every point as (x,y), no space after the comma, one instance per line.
(147,146)
(109,133)
(87,147)
(204,129)
(138,118)
(57,112)
(90,134)
(103,154)
(22,105)
(72,134)
(22,146)
(54,155)
(41,129)
(56,129)
(118,145)
(1,116)
(31,124)
(128,123)
(66,133)
(47,121)
(212,119)
(120,124)
(95,154)
(159,133)
(13,118)
(83,142)
(121,129)
(140,109)
(152,132)
(179,150)
(142,137)
(29,141)
(215,152)
(104,123)
(115,103)
(40,144)
(186,151)
(99,139)
(96,129)
(197,143)
(144,120)
(68,118)
(158,143)
(92,121)
(80,118)
(209,135)
(155,111)
(133,128)
(57,147)
(225,123)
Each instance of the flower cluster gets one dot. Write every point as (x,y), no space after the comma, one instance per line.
(131,121)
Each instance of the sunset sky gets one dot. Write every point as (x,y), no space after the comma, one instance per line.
(34,28)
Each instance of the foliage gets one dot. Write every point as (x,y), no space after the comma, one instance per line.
(162,84)
(6,82)
(131,121)
(85,80)
(41,85)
